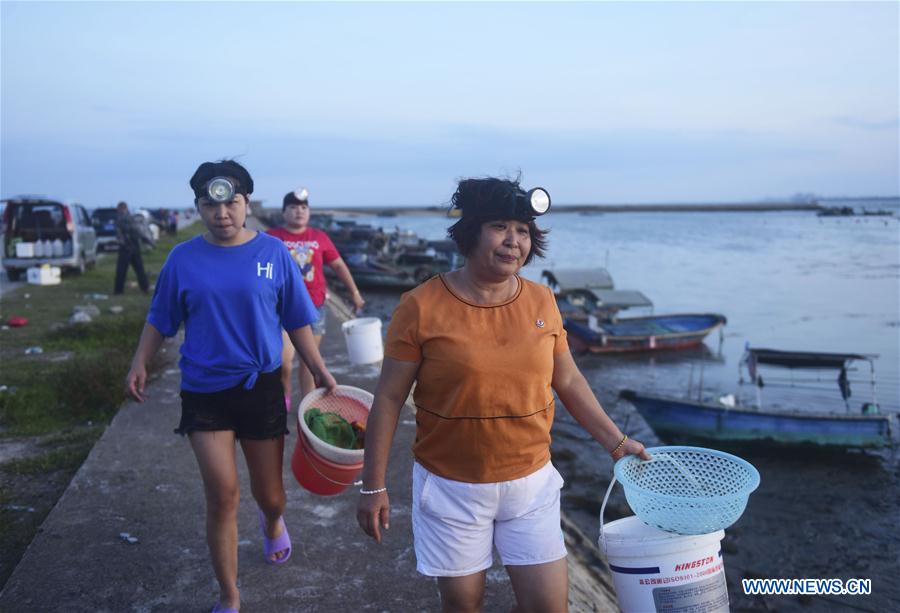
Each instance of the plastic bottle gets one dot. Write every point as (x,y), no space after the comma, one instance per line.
(48,248)
(57,248)
(38,249)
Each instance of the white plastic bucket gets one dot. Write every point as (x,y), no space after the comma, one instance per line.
(659,571)
(363,337)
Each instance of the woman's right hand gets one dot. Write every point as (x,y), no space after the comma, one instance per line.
(373,512)
(135,381)
(631,447)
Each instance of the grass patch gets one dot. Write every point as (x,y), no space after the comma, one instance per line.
(74,436)
(49,396)
(58,459)
(86,383)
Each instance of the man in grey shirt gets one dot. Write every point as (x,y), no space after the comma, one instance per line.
(129,238)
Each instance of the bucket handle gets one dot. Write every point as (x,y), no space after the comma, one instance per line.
(612,483)
(609,490)
(313,466)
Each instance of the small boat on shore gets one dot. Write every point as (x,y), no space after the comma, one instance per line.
(651,333)
(590,306)
(732,422)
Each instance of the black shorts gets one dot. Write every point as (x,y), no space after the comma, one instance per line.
(256,414)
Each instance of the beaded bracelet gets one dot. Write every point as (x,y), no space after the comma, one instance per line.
(369,492)
(619,446)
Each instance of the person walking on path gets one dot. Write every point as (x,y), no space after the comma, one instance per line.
(235,290)
(129,239)
(486,348)
(311,248)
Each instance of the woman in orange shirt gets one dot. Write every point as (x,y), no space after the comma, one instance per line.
(486,349)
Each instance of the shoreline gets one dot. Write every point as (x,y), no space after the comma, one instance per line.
(749,207)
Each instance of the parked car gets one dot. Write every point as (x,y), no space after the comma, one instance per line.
(42,231)
(104,222)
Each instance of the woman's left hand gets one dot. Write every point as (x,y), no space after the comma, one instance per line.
(358,301)
(631,447)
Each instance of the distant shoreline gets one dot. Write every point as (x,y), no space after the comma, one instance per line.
(590,208)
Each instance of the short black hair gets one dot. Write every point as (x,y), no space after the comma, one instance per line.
(491,198)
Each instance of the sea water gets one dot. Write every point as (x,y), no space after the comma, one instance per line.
(785,280)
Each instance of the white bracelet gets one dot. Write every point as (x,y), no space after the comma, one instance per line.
(369,492)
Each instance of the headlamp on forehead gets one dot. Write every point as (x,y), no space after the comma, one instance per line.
(537,200)
(526,205)
(220,189)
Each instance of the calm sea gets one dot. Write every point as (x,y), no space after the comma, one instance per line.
(790,281)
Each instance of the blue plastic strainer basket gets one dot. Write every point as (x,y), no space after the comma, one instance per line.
(687,490)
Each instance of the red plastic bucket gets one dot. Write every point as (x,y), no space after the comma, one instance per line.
(319,475)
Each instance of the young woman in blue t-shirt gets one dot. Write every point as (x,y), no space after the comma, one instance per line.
(234,289)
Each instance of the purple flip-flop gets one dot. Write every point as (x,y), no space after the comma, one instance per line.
(216,609)
(273,546)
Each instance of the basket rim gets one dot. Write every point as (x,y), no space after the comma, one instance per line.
(751,487)
(315,395)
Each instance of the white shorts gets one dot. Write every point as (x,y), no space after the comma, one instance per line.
(456,524)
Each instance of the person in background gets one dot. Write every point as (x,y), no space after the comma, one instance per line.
(311,249)
(486,349)
(129,237)
(172,223)
(235,290)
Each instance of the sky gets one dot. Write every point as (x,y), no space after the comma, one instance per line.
(389,104)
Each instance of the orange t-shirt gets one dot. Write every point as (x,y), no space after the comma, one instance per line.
(483,397)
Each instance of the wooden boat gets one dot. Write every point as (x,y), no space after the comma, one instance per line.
(687,420)
(589,306)
(651,333)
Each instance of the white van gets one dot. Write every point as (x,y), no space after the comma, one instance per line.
(41,231)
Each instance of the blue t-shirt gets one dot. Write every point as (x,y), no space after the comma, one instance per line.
(234,302)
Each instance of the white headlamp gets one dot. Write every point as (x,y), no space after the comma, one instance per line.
(220,189)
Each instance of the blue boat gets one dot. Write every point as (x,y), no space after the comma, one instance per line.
(682,419)
(650,333)
(590,309)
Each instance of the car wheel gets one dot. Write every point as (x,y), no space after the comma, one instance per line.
(13,275)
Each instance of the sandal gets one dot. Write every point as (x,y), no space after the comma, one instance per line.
(216,609)
(272,546)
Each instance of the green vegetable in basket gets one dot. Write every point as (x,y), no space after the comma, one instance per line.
(331,428)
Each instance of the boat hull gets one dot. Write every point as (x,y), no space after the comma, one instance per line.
(680,419)
(652,333)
